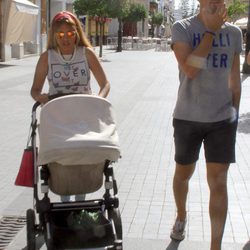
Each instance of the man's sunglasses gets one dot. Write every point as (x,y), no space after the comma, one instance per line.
(68,34)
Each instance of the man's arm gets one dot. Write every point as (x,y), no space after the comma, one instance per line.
(248,58)
(235,82)
(191,62)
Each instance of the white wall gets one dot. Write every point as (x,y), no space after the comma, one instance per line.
(60,5)
(57,6)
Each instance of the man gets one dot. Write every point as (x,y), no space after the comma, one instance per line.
(207,49)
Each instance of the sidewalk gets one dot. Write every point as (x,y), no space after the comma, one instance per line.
(144,88)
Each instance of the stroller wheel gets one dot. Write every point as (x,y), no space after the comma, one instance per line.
(115,216)
(31,232)
(49,241)
(118,244)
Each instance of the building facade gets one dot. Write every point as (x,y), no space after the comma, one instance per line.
(142,27)
(24,25)
(18,28)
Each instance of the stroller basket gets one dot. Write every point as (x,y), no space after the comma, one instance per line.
(78,227)
(64,180)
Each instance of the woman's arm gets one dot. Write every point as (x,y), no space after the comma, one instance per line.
(39,79)
(98,72)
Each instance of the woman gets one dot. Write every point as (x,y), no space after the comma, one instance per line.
(67,63)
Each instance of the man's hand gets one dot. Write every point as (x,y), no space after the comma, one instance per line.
(214,16)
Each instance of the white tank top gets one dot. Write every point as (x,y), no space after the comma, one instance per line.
(68,76)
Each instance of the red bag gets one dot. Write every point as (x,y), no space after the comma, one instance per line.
(25,176)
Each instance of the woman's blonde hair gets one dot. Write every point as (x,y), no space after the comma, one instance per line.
(70,19)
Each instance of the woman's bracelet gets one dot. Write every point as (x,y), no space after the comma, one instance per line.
(210,32)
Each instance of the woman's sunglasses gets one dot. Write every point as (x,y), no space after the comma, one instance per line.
(68,34)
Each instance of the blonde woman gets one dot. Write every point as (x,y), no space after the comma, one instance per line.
(67,62)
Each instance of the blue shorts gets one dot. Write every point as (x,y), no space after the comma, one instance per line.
(218,139)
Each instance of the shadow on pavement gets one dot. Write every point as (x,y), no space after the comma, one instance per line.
(247,246)
(5,65)
(244,77)
(39,243)
(173,245)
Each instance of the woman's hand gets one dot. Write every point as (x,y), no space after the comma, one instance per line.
(42,98)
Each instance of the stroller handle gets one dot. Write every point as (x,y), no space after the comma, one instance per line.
(51,97)
(35,106)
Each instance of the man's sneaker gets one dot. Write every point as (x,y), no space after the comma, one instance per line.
(178,231)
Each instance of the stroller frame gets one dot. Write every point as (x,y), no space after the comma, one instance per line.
(45,209)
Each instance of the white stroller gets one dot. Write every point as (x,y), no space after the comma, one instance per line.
(78,143)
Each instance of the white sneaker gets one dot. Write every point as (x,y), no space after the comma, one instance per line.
(178,231)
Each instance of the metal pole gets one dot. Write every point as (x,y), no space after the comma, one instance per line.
(39,24)
(246,67)
(48,14)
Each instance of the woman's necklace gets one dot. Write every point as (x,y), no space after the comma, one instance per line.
(67,58)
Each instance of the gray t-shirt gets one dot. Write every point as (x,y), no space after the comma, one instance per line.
(207,97)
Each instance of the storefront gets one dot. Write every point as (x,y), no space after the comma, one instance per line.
(91,27)
(18,28)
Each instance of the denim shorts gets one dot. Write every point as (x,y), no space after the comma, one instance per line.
(218,139)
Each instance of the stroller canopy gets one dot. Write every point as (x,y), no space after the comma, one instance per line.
(77,129)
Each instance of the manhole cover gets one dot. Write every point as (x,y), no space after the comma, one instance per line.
(9,227)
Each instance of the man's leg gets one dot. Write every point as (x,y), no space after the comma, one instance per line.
(188,140)
(182,175)
(218,203)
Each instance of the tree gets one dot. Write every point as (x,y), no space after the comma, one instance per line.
(137,12)
(156,20)
(236,9)
(119,9)
(94,8)
(246,67)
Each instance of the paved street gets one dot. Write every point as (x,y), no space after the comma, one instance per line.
(144,86)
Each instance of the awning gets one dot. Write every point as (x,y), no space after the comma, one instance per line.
(242,23)
(26,6)
(21,22)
